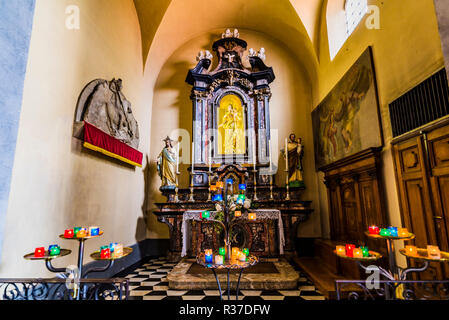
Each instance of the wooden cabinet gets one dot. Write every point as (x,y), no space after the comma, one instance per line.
(355,197)
(422,173)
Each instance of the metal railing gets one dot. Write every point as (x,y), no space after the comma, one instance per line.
(392,290)
(64,289)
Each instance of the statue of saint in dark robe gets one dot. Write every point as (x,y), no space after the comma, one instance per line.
(295,154)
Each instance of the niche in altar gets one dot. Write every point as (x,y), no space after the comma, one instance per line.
(231,141)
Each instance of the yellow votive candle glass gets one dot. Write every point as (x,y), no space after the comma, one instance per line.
(433,252)
(403,232)
(218,259)
(118,251)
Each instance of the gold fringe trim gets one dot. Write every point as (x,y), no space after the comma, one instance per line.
(110,154)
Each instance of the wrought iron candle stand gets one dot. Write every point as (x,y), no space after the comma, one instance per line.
(229,265)
(396,277)
(227,223)
(80,273)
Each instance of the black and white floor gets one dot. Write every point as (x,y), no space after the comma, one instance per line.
(149,282)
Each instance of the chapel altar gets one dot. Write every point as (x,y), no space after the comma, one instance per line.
(231,142)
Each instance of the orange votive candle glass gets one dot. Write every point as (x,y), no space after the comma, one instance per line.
(235,251)
(411,250)
(208,252)
(341,250)
(252,216)
(403,232)
(220,184)
(357,253)
(237,213)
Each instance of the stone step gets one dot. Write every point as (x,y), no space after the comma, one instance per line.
(281,276)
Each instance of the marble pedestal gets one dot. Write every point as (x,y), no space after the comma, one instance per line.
(286,278)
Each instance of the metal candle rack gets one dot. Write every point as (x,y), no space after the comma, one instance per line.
(81,273)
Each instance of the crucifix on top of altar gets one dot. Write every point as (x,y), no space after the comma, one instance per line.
(231,143)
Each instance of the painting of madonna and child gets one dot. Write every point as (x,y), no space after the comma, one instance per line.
(347,120)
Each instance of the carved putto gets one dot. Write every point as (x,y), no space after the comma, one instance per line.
(229,34)
(103,105)
(204,55)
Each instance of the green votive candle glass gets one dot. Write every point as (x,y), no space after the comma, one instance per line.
(222,251)
(385,232)
(365,251)
(246,251)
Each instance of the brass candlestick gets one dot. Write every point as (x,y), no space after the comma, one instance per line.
(191,188)
(177,185)
(255,185)
(209,197)
(287,197)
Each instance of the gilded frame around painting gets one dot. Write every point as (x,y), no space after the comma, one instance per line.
(347,121)
(231,125)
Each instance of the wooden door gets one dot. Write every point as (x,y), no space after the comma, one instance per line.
(437,143)
(415,198)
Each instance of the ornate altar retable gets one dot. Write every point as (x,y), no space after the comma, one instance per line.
(231,139)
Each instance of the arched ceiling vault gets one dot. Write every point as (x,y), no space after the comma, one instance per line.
(171,23)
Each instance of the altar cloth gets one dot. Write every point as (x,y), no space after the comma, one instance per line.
(271,214)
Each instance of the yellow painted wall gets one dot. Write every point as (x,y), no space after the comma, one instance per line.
(406,51)
(289,106)
(56,184)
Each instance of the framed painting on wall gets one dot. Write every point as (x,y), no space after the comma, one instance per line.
(347,120)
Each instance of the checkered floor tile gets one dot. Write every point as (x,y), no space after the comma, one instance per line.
(149,282)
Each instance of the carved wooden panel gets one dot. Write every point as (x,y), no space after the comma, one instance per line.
(417,206)
(351,212)
(355,197)
(441,152)
(410,161)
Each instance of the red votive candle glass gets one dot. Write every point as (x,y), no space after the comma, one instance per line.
(39,252)
(349,250)
(68,233)
(374,230)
